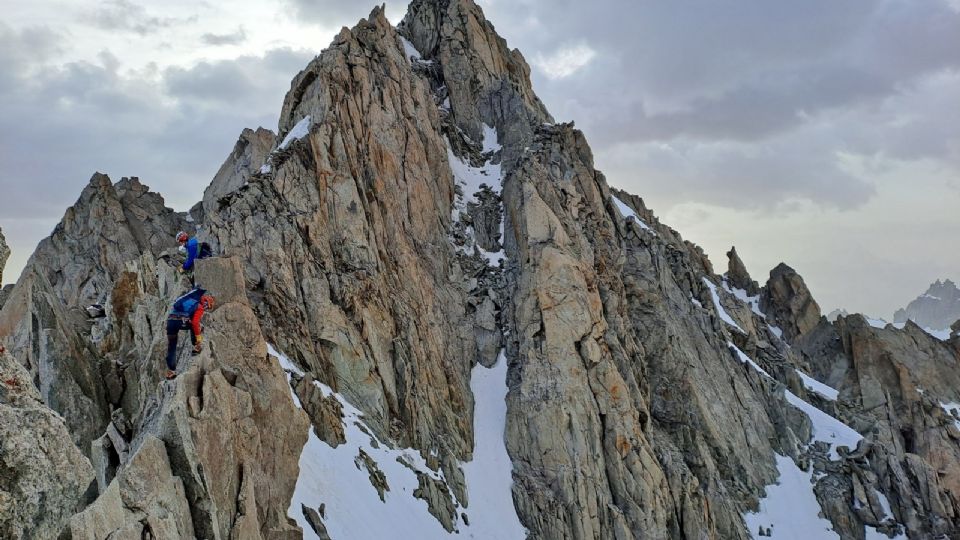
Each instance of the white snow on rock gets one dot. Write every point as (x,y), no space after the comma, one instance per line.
(887,512)
(489,476)
(265,168)
(724,316)
(335,478)
(816,386)
(469,179)
(754,303)
(951,408)
(411,52)
(747,360)
(876,323)
(790,510)
(740,294)
(872,534)
(942,335)
(824,427)
(626,212)
(299,131)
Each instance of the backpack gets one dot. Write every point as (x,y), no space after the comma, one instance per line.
(204,251)
(188,303)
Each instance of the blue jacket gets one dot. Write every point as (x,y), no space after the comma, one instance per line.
(193,249)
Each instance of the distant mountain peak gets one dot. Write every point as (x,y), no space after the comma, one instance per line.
(937,308)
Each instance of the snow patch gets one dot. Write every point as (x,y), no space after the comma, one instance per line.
(489,476)
(876,323)
(824,427)
(951,408)
(942,335)
(775,330)
(627,213)
(724,316)
(299,131)
(331,476)
(816,386)
(790,510)
(470,179)
(884,503)
(265,168)
(411,52)
(740,294)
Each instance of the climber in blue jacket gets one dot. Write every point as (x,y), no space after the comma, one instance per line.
(193,250)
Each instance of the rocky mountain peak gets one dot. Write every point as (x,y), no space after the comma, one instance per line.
(247,158)
(937,309)
(789,302)
(435,318)
(738,275)
(4,255)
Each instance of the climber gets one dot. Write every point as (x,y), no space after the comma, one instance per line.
(185,315)
(192,247)
(194,250)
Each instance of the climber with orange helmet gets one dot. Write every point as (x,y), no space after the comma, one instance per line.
(186,314)
(192,247)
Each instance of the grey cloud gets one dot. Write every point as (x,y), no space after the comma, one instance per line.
(62,124)
(127,16)
(718,77)
(21,49)
(337,13)
(246,81)
(796,56)
(332,12)
(233,38)
(767,176)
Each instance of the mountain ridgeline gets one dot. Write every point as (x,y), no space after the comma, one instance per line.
(936,309)
(435,319)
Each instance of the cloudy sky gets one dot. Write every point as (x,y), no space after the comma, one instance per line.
(821,133)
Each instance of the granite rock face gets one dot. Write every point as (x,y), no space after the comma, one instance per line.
(44,478)
(789,303)
(99,253)
(738,276)
(363,288)
(897,386)
(647,396)
(246,159)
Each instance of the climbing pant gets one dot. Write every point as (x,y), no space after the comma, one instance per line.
(176,323)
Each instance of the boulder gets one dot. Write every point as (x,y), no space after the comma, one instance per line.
(144,497)
(45,478)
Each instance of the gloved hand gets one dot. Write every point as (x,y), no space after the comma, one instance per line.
(199,345)
(180,269)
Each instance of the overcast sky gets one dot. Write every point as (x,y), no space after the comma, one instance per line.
(820,133)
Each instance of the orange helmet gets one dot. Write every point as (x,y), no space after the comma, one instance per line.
(207,301)
(182,237)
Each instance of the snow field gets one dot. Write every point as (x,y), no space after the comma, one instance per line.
(335,477)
